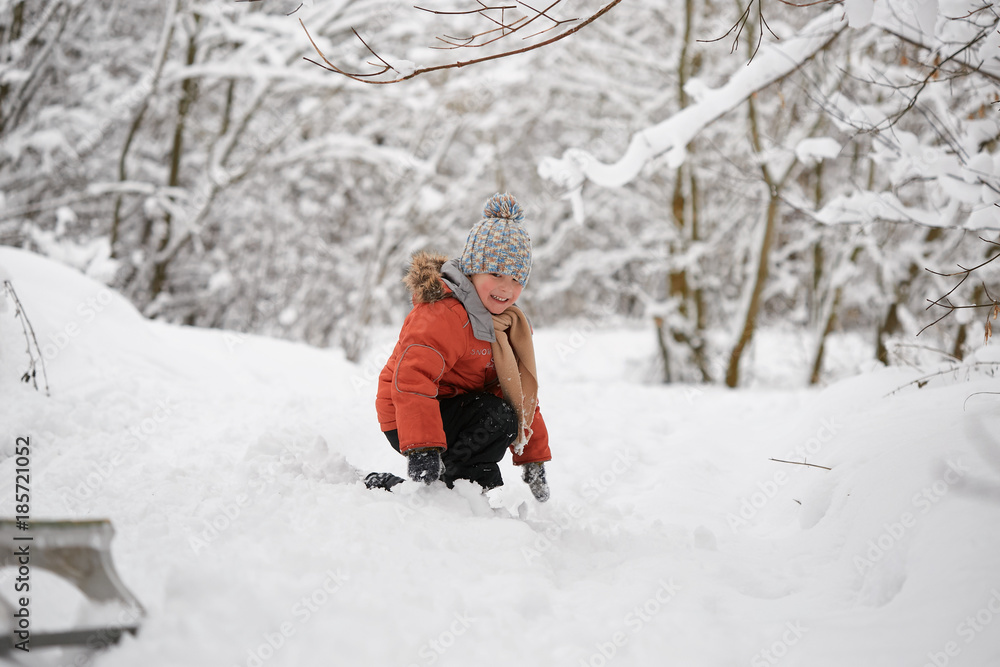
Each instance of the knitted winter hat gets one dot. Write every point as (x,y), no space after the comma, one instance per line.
(498,242)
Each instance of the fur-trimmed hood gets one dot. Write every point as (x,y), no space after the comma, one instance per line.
(424,277)
(433,277)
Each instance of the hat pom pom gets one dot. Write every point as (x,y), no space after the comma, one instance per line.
(504,207)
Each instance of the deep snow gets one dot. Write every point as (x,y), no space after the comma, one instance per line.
(228,466)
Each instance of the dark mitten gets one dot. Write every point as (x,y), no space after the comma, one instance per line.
(533,475)
(382,480)
(425,465)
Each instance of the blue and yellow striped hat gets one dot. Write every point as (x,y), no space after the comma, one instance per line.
(498,242)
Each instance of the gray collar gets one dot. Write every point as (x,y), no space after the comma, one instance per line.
(480,318)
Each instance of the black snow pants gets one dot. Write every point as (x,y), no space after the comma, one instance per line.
(478,427)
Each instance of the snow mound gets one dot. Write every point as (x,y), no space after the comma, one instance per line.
(685,524)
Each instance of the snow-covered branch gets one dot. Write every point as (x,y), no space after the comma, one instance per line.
(671,136)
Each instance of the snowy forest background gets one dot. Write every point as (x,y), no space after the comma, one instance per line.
(185,153)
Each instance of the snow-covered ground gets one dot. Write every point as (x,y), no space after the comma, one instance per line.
(228,466)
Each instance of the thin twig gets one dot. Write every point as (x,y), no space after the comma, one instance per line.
(365,78)
(29,338)
(520,23)
(922,381)
(333,68)
(741,23)
(942,302)
(927,348)
(808,4)
(801,463)
(545,14)
(931,76)
(460,13)
(969,15)
(509,28)
(978,393)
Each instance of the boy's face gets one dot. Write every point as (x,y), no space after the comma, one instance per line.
(497,292)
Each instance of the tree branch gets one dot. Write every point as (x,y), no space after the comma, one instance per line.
(741,23)
(673,134)
(801,463)
(367,77)
(950,308)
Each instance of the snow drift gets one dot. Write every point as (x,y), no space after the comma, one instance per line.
(228,464)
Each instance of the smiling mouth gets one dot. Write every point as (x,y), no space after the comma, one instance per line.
(501,300)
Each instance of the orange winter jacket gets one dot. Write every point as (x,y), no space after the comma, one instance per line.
(442,351)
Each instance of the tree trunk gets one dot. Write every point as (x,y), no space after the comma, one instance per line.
(16,103)
(661,340)
(962,335)
(189,92)
(764,257)
(166,39)
(828,317)
(698,294)
(684,209)
(891,324)
(887,327)
(9,33)
(760,279)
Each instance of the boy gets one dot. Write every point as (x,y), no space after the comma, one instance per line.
(460,386)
